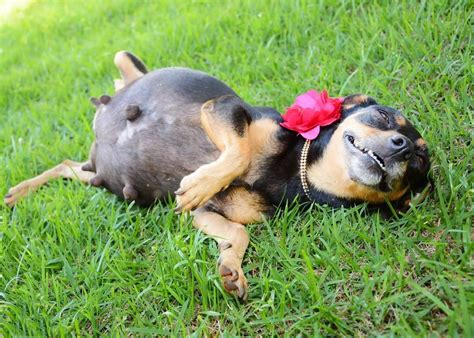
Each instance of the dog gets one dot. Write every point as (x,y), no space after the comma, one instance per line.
(229,163)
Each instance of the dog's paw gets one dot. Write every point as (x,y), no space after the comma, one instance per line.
(16,193)
(195,190)
(233,278)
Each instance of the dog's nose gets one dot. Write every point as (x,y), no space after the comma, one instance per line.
(401,146)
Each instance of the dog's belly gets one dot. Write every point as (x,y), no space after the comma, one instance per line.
(155,151)
(153,162)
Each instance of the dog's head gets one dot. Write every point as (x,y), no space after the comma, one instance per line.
(373,154)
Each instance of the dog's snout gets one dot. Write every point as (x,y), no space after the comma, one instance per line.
(401,147)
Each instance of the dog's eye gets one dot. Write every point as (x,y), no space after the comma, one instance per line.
(384,115)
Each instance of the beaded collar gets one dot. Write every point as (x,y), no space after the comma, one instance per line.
(303,168)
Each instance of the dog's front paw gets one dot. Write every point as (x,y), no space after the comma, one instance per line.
(233,278)
(195,190)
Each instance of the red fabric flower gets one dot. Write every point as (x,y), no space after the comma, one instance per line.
(311,111)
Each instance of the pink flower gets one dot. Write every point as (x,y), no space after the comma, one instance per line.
(311,111)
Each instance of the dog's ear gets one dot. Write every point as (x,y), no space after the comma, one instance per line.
(357,100)
(130,67)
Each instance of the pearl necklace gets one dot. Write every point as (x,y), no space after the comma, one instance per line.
(303,168)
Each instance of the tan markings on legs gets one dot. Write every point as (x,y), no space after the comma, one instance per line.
(263,144)
(67,169)
(233,240)
(240,205)
(198,187)
(127,69)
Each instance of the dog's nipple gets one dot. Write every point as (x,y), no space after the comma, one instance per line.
(129,193)
(88,167)
(104,99)
(96,181)
(132,112)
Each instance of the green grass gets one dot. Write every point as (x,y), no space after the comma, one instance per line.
(76,260)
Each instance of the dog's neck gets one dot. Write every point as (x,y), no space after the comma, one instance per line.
(282,182)
(316,153)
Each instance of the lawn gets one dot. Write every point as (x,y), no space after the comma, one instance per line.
(76,260)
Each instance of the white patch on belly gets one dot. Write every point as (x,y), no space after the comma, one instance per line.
(163,119)
(130,130)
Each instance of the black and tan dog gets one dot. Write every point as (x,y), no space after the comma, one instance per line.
(183,131)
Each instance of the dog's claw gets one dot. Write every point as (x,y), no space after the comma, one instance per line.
(180,192)
(8,195)
(230,286)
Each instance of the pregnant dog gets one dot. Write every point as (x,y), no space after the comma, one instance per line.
(177,130)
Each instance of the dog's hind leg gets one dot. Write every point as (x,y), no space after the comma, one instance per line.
(67,169)
(130,67)
(233,240)
(226,122)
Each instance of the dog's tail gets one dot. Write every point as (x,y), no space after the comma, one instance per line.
(130,67)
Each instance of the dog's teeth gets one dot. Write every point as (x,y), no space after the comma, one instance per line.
(376,159)
(370,153)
